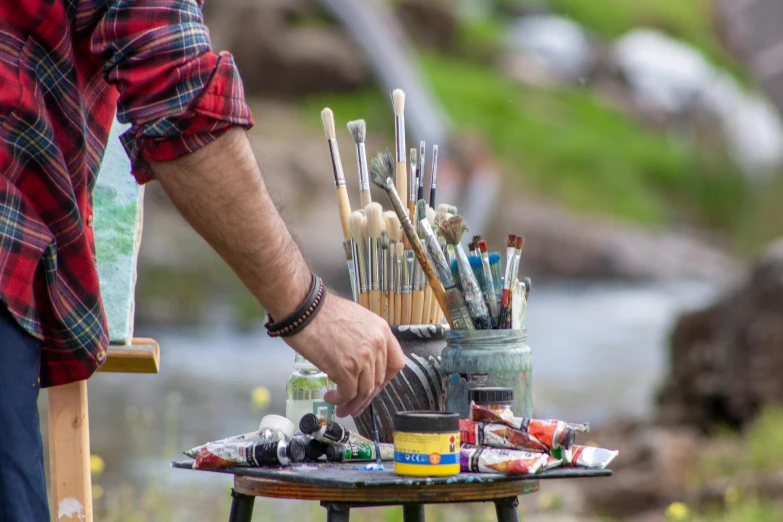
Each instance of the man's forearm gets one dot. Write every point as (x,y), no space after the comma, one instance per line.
(220,192)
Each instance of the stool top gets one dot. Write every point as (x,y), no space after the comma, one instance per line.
(348,482)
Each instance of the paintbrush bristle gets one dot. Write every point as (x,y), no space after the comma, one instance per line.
(398,101)
(519,243)
(382,168)
(384,240)
(357,223)
(421,213)
(431,214)
(358,129)
(452,229)
(393,225)
(399,249)
(327,120)
(375,223)
(447,209)
(511,241)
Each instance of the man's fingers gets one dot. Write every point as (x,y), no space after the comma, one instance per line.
(345,393)
(365,388)
(395,359)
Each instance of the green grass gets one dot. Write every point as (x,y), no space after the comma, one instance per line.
(571,147)
(692,21)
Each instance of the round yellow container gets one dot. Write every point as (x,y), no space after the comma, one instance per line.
(426,443)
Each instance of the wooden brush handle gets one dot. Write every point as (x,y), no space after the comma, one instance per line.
(427,310)
(429,272)
(344,206)
(364,300)
(385,309)
(435,312)
(417,314)
(375,302)
(397,309)
(407,309)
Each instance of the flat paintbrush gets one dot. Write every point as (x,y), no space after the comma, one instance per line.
(400,253)
(505,302)
(384,273)
(358,226)
(413,184)
(358,129)
(417,315)
(381,169)
(422,162)
(434,314)
(395,236)
(375,226)
(401,173)
(434,175)
(494,306)
(378,462)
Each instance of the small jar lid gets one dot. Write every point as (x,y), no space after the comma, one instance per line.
(426,422)
(492,395)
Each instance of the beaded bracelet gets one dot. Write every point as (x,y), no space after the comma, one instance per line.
(296,322)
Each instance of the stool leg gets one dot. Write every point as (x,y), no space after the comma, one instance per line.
(241,507)
(506,509)
(413,512)
(337,512)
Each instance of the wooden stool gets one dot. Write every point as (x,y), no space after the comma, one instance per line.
(340,487)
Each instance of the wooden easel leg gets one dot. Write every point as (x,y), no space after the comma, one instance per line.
(506,509)
(69,453)
(413,512)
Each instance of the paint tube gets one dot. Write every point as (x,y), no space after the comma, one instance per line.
(495,460)
(315,450)
(358,451)
(553,433)
(323,429)
(455,302)
(499,436)
(249,453)
(586,457)
(264,435)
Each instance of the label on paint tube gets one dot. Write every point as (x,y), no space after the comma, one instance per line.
(553,433)
(499,436)
(510,462)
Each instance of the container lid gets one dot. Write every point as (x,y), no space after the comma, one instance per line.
(426,421)
(296,451)
(309,423)
(492,395)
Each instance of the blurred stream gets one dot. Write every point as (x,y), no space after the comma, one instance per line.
(599,352)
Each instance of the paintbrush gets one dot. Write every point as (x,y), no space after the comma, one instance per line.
(413,185)
(400,253)
(494,265)
(358,225)
(417,316)
(455,302)
(348,247)
(384,274)
(452,230)
(358,129)
(491,294)
(401,174)
(505,302)
(433,312)
(408,267)
(375,226)
(378,462)
(380,174)
(422,152)
(434,175)
(519,243)
(447,209)
(343,205)
(395,235)
(477,266)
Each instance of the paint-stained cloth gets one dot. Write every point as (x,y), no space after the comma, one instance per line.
(65,66)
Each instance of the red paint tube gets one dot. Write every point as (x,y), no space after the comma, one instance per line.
(249,453)
(497,435)
(552,433)
(495,460)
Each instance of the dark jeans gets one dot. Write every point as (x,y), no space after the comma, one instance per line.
(22,480)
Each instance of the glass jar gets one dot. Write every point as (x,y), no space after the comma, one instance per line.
(497,400)
(487,358)
(305,391)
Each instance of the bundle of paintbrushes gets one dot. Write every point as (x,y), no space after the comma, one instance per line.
(408,265)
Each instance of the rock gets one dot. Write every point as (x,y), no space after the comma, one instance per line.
(726,360)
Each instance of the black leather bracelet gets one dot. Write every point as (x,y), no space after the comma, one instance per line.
(296,322)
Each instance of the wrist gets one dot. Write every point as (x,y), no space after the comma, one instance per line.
(304,313)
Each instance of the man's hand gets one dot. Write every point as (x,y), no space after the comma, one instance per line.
(355,348)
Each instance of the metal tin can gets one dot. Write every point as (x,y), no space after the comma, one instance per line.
(426,443)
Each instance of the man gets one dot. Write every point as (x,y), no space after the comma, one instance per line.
(65,65)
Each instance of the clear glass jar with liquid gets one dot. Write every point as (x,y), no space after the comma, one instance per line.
(305,392)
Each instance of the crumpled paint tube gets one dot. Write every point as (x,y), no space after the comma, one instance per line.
(511,462)
(253,436)
(358,451)
(499,436)
(587,457)
(249,453)
(553,433)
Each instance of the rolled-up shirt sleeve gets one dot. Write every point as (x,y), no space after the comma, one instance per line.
(174,91)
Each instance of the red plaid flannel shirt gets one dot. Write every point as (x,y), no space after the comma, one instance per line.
(65,66)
